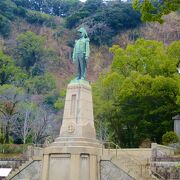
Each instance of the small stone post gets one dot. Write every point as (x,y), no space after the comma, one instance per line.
(177,125)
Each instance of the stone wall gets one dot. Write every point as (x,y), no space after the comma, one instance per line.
(11,162)
(141,154)
(8,163)
(163,163)
(161,151)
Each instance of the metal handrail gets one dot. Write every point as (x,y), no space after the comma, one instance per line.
(109,143)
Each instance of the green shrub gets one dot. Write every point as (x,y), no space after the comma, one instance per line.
(29,49)
(2,139)
(5,26)
(12,148)
(20,11)
(6,9)
(34,17)
(59,104)
(20,148)
(50,99)
(73,20)
(169,138)
(146,143)
(40,84)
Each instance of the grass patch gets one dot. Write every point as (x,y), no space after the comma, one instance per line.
(12,148)
(13,155)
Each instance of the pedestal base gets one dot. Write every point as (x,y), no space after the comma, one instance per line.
(71,163)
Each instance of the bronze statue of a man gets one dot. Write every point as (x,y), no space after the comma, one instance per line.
(81,54)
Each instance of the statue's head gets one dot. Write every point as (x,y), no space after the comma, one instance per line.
(83,32)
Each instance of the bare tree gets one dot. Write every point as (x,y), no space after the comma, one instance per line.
(10,97)
(40,125)
(24,123)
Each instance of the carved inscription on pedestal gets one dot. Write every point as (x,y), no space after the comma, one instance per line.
(84,167)
(73,105)
(59,167)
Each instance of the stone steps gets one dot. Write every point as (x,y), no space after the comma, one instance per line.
(19,169)
(134,164)
(137,171)
(109,171)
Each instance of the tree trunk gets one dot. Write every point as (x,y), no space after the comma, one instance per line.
(7,134)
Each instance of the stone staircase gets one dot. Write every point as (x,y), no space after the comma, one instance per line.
(135,168)
(19,169)
(134,162)
(110,171)
(29,164)
(27,169)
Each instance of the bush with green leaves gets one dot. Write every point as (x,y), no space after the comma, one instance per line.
(156,9)
(29,49)
(40,84)
(35,17)
(9,72)
(31,54)
(170,137)
(7,8)
(5,26)
(10,10)
(59,104)
(2,138)
(51,98)
(8,13)
(12,148)
(20,11)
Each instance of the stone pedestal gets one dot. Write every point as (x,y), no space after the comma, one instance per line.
(75,153)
